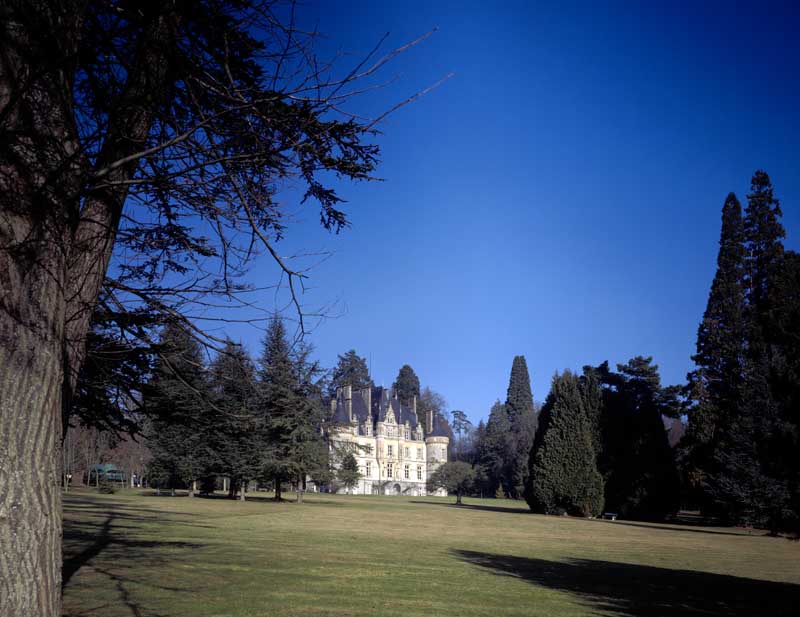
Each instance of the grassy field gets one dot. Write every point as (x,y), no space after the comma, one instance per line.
(136,555)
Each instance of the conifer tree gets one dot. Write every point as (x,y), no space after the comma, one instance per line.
(496,448)
(564,476)
(715,385)
(521,413)
(294,412)
(176,398)
(753,483)
(406,386)
(637,463)
(348,473)
(350,370)
(238,437)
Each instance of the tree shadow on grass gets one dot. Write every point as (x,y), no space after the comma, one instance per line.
(473,506)
(85,540)
(628,590)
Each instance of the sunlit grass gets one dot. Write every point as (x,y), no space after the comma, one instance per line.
(128,554)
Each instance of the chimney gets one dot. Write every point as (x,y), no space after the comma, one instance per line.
(414,404)
(348,402)
(333,406)
(429,422)
(367,394)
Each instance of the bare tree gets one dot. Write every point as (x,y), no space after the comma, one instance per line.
(144,147)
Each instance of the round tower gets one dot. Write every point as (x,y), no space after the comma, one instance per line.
(436,442)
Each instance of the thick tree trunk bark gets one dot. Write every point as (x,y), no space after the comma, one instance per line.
(244,486)
(55,250)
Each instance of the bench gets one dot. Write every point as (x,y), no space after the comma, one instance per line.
(610,516)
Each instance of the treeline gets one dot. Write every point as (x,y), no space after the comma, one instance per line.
(601,443)
(247,421)
(598,442)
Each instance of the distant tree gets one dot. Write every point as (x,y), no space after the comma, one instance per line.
(236,442)
(522,415)
(496,448)
(637,462)
(176,400)
(295,416)
(455,477)
(406,386)
(592,399)
(348,474)
(563,474)
(350,370)
(461,426)
(715,385)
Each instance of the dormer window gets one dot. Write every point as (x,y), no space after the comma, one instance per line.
(408,434)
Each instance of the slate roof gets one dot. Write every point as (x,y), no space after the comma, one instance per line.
(382,401)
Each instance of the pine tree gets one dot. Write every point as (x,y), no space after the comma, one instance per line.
(521,413)
(238,439)
(714,387)
(176,399)
(348,473)
(350,370)
(406,386)
(295,415)
(637,463)
(564,476)
(496,448)
(763,234)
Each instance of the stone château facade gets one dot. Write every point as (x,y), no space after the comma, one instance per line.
(396,451)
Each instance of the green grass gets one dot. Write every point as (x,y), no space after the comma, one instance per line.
(134,555)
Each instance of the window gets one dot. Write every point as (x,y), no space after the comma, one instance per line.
(390,431)
(419,454)
(368,449)
(367,430)
(368,469)
(407,472)
(389,470)
(408,435)
(405,452)
(389,450)
(419,472)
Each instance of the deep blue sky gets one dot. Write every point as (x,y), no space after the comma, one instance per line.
(560,196)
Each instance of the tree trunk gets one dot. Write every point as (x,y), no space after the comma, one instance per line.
(278,489)
(244,486)
(458,498)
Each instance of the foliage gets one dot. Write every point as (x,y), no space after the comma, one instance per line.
(406,386)
(176,399)
(496,448)
(637,462)
(350,370)
(744,429)
(348,473)
(455,477)
(522,415)
(563,473)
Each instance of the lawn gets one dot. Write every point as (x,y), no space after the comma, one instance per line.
(140,555)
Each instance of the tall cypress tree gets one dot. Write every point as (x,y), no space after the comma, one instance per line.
(714,386)
(753,484)
(521,413)
(564,476)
